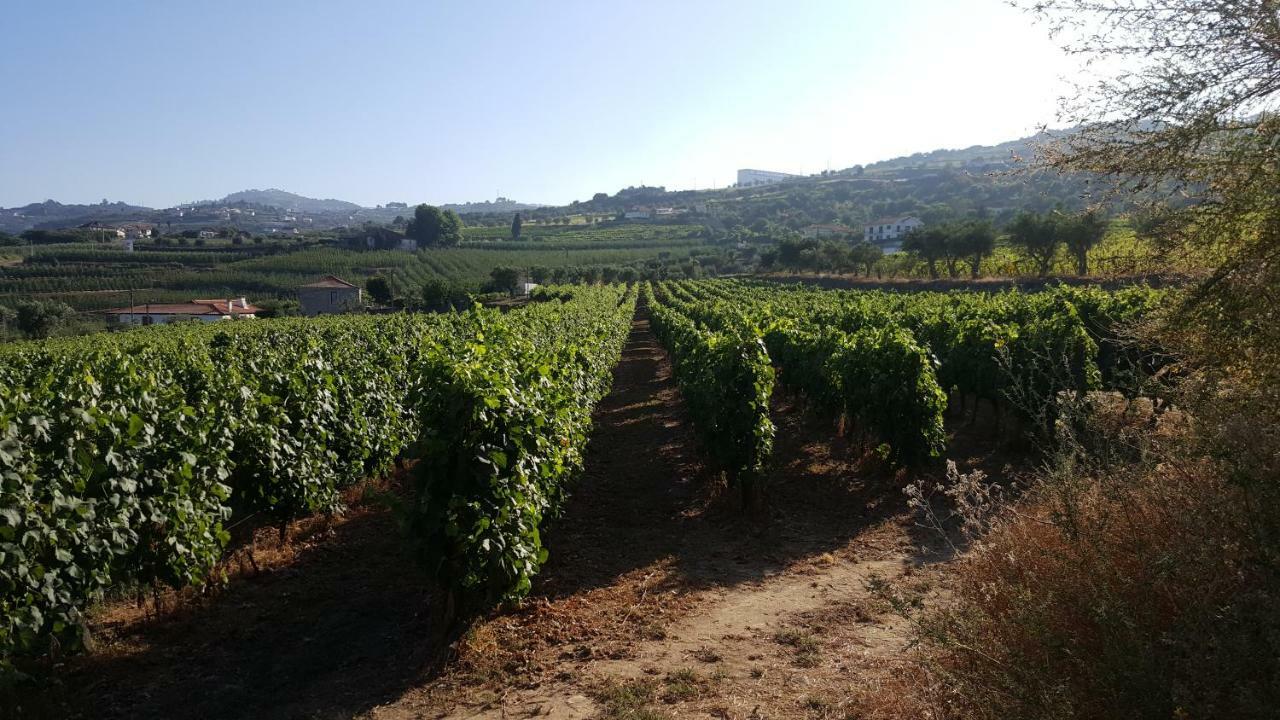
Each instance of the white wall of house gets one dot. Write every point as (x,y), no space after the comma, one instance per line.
(891,231)
(165,319)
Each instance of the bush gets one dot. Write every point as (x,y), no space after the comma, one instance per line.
(41,318)
(1132,580)
(440,295)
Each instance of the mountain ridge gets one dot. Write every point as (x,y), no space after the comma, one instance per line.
(52,214)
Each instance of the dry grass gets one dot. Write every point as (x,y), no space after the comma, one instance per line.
(1140,588)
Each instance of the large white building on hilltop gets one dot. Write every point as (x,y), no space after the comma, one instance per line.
(888,232)
(748,178)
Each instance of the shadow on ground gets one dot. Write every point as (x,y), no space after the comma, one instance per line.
(340,630)
(646,497)
(345,628)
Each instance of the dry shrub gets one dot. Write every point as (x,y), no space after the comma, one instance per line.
(1135,589)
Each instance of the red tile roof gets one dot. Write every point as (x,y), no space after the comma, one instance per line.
(195,307)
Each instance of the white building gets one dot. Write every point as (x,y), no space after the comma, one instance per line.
(751,178)
(137,231)
(888,232)
(202,310)
(638,214)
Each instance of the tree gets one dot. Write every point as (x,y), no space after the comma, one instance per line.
(450,229)
(974,241)
(441,295)
(539,274)
(1036,236)
(41,318)
(504,278)
(379,289)
(929,245)
(515,227)
(792,252)
(834,255)
(7,316)
(1188,103)
(424,228)
(431,227)
(1081,233)
(866,255)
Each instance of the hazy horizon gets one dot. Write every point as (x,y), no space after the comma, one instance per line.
(388,101)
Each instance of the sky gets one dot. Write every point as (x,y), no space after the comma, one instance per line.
(164,102)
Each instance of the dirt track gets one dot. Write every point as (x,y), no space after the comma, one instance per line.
(659,594)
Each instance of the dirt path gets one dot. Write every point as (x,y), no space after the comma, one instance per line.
(659,599)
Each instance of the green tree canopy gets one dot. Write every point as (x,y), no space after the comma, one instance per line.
(441,295)
(974,240)
(1080,233)
(379,289)
(928,244)
(41,318)
(1037,236)
(504,278)
(432,227)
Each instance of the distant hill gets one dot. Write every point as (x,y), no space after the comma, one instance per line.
(501,205)
(975,155)
(935,184)
(53,214)
(286,201)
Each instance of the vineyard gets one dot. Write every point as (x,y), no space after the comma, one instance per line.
(888,362)
(127,458)
(90,276)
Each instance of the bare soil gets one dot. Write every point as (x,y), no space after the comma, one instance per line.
(660,598)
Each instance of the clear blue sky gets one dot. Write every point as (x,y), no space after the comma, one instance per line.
(164,102)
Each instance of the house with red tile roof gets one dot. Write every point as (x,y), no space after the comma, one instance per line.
(195,310)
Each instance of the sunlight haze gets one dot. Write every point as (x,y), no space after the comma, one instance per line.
(449,102)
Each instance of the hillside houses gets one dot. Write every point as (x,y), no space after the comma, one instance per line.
(330,295)
(132,231)
(195,310)
(374,237)
(887,232)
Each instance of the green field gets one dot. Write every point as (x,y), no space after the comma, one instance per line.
(90,276)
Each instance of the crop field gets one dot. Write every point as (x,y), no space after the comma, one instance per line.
(889,362)
(127,457)
(89,276)
(628,234)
